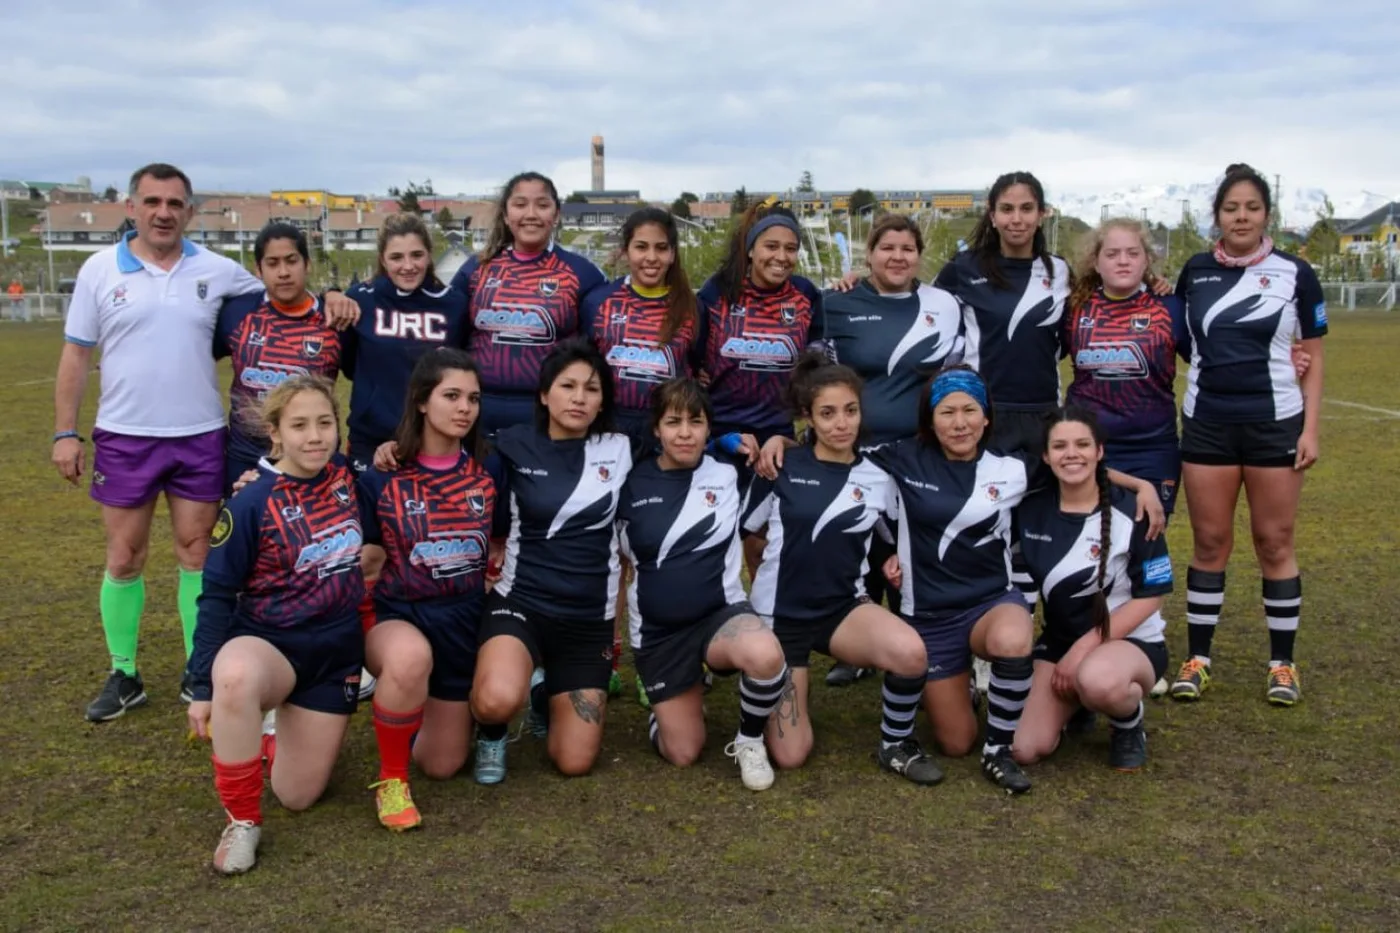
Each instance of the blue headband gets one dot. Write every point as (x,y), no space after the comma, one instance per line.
(769,222)
(958,380)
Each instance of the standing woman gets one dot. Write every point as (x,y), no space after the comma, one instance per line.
(554,605)
(1012,292)
(433,518)
(645,323)
(1247,421)
(524,294)
(271,337)
(894,332)
(679,526)
(1102,581)
(277,622)
(820,513)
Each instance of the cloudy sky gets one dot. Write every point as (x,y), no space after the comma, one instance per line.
(356,96)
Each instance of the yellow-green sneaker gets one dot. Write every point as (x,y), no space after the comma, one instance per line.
(1285,688)
(1192,680)
(395,804)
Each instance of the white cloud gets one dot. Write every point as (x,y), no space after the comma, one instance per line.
(1092,95)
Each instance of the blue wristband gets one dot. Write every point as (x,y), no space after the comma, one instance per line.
(64,435)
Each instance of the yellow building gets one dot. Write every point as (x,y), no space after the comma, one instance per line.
(1379,229)
(321,198)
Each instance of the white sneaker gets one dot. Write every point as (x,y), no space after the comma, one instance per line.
(238,847)
(1160,688)
(981,674)
(754,769)
(367,684)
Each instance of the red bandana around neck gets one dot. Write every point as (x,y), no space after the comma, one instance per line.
(1266,246)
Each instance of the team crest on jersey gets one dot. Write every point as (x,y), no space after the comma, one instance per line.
(1094,551)
(710,498)
(1139,323)
(311,346)
(788,314)
(342,494)
(223,529)
(1264,281)
(1045,282)
(548,287)
(415,507)
(476,501)
(993,492)
(293,513)
(857,494)
(928,320)
(201,289)
(119,296)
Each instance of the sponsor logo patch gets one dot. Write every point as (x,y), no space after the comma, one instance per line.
(223,529)
(1157,571)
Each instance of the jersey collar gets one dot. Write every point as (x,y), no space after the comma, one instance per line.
(126,259)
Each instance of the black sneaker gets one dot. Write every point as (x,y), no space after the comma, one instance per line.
(908,759)
(1003,771)
(1128,748)
(119,694)
(1083,722)
(843,675)
(186,689)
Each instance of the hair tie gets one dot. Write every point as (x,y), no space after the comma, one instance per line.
(769,222)
(958,380)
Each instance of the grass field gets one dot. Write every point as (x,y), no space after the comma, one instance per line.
(1247,816)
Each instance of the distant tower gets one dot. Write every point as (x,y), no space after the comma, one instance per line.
(598,164)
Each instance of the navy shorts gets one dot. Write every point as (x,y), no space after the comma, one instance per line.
(327,663)
(800,637)
(948,638)
(1018,430)
(450,624)
(359,455)
(1254,444)
(1160,466)
(1054,649)
(575,655)
(671,663)
(235,467)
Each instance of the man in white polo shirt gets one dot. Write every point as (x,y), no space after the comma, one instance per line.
(149,305)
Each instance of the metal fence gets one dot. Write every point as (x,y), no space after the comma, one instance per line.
(34,307)
(1350,296)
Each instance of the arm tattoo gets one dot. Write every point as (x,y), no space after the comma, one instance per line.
(588,705)
(739,625)
(787,708)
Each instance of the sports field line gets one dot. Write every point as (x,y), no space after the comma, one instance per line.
(28,382)
(1380,411)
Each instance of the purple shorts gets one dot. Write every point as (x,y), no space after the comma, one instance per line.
(130,471)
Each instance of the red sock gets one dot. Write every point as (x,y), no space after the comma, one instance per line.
(240,787)
(269,750)
(617,649)
(394,732)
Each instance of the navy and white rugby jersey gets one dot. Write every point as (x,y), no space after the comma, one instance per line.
(1242,323)
(560,499)
(954,525)
(1012,335)
(820,516)
(680,530)
(1062,552)
(894,342)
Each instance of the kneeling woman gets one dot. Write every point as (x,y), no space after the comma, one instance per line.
(820,513)
(278,626)
(679,523)
(433,517)
(560,479)
(1102,582)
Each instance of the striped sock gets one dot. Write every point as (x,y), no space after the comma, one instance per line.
(1283,601)
(757,700)
(1006,697)
(654,733)
(1132,722)
(901,696)
(1205,595)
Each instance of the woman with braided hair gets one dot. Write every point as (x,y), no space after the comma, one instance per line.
(1102,581)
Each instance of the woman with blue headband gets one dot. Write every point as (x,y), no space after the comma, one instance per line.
(954,504)
(757,318)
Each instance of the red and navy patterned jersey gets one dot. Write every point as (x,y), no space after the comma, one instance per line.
(627,328)
(751,348)
(519,309)
(268,345)
(285,553)
(434,526)
(378,354)
(1124,354)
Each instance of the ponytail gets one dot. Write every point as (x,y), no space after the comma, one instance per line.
(1099,607)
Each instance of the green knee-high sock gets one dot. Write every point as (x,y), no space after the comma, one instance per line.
(122,602)
(191,585)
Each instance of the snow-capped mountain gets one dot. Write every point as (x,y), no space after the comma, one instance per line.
(1163,203)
